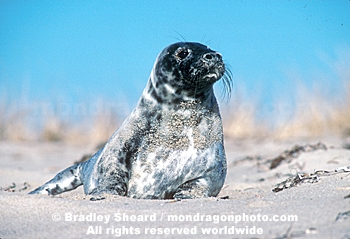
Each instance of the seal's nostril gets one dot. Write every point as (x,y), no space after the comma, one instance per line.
(208,56)
(218,55)
(213,56)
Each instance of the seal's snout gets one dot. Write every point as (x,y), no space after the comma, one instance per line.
(213,60)
(215,65)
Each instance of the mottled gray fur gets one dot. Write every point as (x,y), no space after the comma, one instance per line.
(171,146)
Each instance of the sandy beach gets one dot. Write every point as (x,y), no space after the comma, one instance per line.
(311,197)
(271,77)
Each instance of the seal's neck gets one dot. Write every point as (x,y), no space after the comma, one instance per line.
(156,94)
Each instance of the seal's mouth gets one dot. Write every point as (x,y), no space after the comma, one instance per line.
(220,72)
(216,74)
(212,75)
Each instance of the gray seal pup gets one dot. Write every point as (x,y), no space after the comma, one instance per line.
(171,146)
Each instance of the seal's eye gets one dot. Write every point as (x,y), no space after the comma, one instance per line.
(182,54)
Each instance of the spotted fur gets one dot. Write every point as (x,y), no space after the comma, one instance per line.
(171,146)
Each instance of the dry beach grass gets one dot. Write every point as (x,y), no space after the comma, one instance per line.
(314,114)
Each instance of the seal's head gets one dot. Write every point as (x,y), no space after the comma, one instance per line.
(187,71)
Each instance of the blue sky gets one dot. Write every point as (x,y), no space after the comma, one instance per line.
(84,50)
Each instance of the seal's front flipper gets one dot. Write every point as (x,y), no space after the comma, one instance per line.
(65,180)
(197,188)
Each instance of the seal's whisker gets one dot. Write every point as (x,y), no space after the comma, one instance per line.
(228,82)
(183,40)
(227,85)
